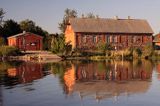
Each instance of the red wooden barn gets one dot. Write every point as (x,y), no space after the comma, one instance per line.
(26,41)
(86,33)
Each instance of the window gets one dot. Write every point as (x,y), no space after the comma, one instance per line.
(33,43)
(107,38)
(99,38)
(84,38)
(131,39)
(115,39)
(94,39)
(134,39)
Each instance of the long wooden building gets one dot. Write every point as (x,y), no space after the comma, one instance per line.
(86,33)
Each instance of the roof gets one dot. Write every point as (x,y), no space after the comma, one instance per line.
(103,25)
(24,33)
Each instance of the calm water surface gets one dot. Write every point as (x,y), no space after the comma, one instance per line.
(80,83)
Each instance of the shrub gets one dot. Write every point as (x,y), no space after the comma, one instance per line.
(9,51)
(137,53)
(147,50)
(101,46)
(126,53)
(2,41)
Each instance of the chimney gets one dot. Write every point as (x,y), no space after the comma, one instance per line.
(116,17)
(97,16)
(129,17)
(83,16)
(24,32)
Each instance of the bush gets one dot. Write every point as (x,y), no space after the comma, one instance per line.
(137,53)
(126,53)
(147,51)
(101,46)
(9,51)
(2,41)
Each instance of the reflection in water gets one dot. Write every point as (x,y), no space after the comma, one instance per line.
(24,72)
(158,70)
(69,79)
(1,100)
(27,72)
(99,80)
(114,71)
(105,79)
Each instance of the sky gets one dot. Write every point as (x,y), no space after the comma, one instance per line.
(48,13)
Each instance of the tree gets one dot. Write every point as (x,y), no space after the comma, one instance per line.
(1,16)
(11,27)
(68,14)
(1,30)
(91,15)
(58,43)
(27,25)
(2,41)
(30,26)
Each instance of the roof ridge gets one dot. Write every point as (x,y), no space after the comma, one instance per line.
(20,34)
(110,25)
(105,18)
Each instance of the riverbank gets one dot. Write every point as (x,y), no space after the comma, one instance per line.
(46,56)
(38,56)
(116,55)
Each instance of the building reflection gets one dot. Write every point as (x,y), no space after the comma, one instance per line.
(114,71)
(69,79)
(108,79)
(25,73)
(158,69)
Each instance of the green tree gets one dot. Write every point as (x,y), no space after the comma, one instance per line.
(91,15)
(58,43)
(47,41)
(68,14)
(11,27)
(1,30)
(27,25)
(2,41)
(30,26)
(1,15)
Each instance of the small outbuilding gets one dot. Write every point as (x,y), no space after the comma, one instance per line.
(26,41)
(156,41)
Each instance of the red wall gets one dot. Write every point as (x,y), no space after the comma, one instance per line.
(121,41)
(28,41)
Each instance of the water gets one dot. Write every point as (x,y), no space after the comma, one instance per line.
(80,83)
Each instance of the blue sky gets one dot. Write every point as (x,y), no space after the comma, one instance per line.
(48,13)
